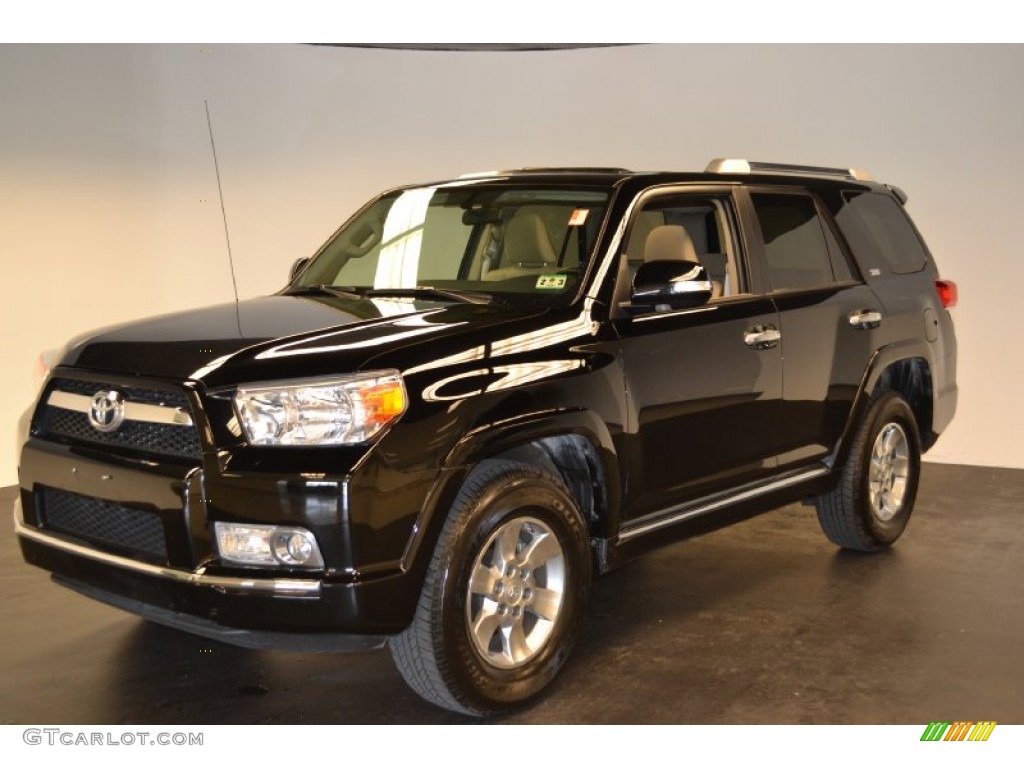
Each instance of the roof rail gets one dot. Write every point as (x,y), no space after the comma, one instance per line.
(571,169)
(542,169)
(741,166)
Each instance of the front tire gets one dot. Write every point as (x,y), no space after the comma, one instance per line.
(503,601)
(871,505)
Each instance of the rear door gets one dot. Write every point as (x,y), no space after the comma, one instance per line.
(830,320)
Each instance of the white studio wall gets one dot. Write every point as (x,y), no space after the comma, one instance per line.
(109,207)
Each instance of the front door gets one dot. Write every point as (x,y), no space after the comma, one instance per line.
(704,385)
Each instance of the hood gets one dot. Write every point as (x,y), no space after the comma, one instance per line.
(276,336)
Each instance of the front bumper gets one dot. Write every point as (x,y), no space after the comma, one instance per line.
(198,578)
(318,642)
(287,613)
(293,611)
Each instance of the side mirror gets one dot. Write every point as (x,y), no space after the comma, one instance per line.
(660,286)
(298,266)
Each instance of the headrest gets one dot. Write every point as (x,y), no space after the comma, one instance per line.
(669,242)
(527,240)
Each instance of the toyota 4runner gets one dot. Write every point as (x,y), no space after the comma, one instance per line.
(479,394)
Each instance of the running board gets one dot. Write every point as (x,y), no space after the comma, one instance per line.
(678,514)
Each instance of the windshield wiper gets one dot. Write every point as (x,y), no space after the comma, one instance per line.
(343,291)
(429,292)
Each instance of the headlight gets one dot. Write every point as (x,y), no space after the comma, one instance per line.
(337,411)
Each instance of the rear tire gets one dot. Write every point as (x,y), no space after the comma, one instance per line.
(871,505)
(503,601)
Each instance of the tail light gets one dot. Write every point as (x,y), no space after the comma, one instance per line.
(948,293)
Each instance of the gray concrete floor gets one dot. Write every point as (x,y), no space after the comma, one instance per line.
(764,622)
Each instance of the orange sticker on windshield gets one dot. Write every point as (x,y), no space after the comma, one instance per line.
(578,217)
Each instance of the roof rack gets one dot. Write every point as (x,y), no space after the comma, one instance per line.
(541,169)
(570,169)
(741,166)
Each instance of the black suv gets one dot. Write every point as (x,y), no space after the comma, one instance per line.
(482,392)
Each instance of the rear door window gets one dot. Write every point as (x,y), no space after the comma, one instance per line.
(794,241)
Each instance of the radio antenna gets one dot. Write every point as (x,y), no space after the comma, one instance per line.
(223,213)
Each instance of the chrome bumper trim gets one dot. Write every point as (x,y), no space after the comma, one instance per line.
(154,414)
(197,578)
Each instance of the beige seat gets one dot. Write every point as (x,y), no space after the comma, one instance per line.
(671,242)
(527,248)
(645,222)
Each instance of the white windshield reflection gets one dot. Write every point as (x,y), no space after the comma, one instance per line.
(398,264)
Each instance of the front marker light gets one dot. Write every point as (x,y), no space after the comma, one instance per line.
(337,411)
(272,545)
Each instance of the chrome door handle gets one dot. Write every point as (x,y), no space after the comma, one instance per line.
(762,337)
(865,318)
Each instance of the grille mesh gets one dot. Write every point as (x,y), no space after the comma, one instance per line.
(104,522)
(169,439)
(164,439)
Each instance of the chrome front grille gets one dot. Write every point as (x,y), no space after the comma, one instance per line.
(138,394)
(156,421)
(105,523)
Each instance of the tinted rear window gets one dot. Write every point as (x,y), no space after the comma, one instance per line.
(794,241)
(874,223)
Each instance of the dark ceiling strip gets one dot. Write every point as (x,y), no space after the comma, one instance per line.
(505,47)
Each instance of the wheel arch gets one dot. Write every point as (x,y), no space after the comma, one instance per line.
(576,446)
(911,377)
(902,368)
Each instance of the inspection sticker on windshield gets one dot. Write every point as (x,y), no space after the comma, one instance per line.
(578,217)
(551,281)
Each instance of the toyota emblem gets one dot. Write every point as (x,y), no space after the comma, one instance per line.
(106,412)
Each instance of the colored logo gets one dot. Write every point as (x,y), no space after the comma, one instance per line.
(959,731)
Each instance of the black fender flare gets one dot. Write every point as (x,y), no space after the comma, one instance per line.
(499,437)
(882,359)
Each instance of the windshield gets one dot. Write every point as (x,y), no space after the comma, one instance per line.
(507,241)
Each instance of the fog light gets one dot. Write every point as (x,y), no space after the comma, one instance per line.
(293,548)
(273,545)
